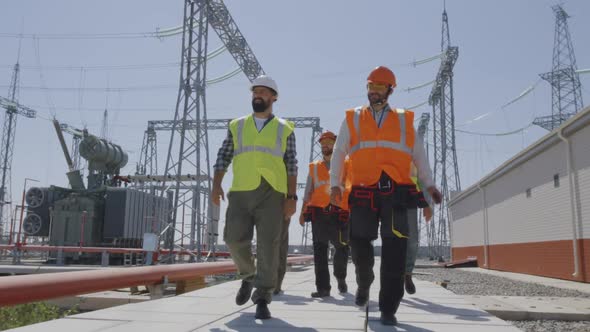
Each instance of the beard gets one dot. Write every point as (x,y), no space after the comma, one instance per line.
(376,98)
(259,105)
(327,152)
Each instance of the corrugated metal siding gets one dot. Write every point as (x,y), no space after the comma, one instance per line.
(581,163)
(514,218)
(467,228)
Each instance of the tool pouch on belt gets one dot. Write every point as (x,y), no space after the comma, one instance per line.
(406,197)
(364,219)
(362,198)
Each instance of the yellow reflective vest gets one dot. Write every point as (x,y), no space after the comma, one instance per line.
(259,154)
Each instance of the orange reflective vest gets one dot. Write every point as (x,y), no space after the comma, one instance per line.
(376,149)
(320,178)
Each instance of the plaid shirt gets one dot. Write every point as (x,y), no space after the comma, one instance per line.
(226,153)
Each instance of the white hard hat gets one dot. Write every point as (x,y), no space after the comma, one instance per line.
(265,81)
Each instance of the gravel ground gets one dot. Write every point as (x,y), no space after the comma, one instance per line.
(472,283)
(551,326)
(464,282)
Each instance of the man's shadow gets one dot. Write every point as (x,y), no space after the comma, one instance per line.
(289,299)
(247,321)
(459,313)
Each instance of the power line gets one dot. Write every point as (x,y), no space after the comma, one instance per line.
(105,89)
(74,36)
(101,67)
(513,132)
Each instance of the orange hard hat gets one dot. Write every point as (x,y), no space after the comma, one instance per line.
(382,75)
(327,135)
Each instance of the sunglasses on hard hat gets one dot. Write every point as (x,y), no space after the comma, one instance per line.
(377,87)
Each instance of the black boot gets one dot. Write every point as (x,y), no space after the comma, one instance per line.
(410,287)
(244,293)
(362,296)
(262,311)
(321,293)
(388,318)
(277,291)
(342,287)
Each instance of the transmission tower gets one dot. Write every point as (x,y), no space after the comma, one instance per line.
(104,130)
(446,170)
(13,108)
(566,95)
(192,155)
(421,131)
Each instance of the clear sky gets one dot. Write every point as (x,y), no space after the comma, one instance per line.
(319,52)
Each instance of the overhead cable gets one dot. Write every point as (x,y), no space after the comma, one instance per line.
(522,94)
(513,132)
(412,88)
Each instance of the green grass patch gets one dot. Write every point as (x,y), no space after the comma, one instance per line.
(30,313)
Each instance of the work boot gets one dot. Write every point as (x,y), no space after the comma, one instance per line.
(362,296)
(410,287)
(321,293)
(244,293)
(262,311)
(342,287)
(388,318)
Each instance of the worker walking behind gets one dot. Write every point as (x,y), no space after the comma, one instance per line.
(381,143)
(329,222)
(262,194)
(423,201)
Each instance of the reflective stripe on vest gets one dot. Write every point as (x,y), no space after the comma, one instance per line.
(259,154)
(316,178)
(375,149)
(401,146)
(277,151)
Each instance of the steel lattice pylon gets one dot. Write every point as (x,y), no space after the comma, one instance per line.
(192,154)
(422,131)
(13,109)
(446,170)
(566,95)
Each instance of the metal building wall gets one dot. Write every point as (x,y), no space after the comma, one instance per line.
(533,234)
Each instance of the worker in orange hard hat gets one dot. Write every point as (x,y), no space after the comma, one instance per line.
(329,222)
(381,144)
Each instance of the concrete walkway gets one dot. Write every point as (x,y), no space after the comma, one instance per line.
(432,308)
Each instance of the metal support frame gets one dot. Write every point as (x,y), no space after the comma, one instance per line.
(158,182)
(446,169)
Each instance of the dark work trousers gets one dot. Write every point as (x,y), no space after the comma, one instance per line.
(326,227)
(372,208)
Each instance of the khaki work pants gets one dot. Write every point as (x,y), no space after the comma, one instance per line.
(262,209)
